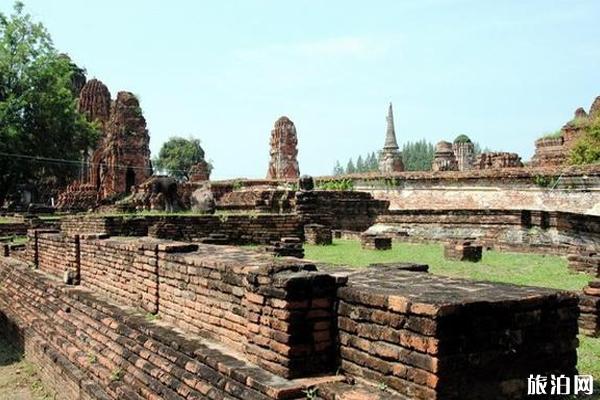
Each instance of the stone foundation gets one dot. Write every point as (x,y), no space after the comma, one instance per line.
(586,261)
(317,234)
(375,242)
(509,230)
(589,306)
(286,247)
(430,337)
(13,229)
(462,250)
(157,319)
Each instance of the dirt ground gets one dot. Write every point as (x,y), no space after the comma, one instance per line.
(18,378)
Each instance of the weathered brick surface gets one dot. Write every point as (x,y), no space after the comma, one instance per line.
(589,306)
(92,349)
(58,254)
(13,229)
(375,242)
(517,230)
(462,250)
(317,234)
(431,337)
(351,210)
(422,336)
(240,229)
(585,260)
(213,291)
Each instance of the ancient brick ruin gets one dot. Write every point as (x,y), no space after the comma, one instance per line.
(498,160)
(554,151)
(121,159)
(464,151)
(444,158)
(232,323)
(390,157)
(283,151)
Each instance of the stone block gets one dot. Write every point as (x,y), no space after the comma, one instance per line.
(375,242)
(317,234)
(463,250)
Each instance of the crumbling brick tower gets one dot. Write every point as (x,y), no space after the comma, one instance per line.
(464,151)
(284,151)
(444,159)
(123,158)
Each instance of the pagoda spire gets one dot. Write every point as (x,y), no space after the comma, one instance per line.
(390,135)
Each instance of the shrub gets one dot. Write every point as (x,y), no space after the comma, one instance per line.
(586,149)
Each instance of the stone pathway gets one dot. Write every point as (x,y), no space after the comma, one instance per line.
(18,378)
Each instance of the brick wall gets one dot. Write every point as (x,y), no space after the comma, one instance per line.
(516,230)
(247,300)
(57,253)
(13,229)
(236,324)
(431,337)
(241,229)
(89,349)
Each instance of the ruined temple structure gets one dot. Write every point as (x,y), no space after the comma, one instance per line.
(498,160)
(464,151)
(553,151)
(444,158)
(390,157)
(121,158)
(200,171)
(284,151)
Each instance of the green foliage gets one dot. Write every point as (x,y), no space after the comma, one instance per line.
(337,184)
(338,169)
(311,393)
(462,139)
(418,156)
(350,168)
(545,181)
(91,357)
(382,386)
(38,115)
(178,155)
(552,135)
(237,185)
(586,149)
(368,163)
(116,374)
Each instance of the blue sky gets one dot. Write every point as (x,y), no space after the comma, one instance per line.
(502,72)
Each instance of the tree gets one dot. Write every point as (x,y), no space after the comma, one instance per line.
(360,166)
(350,169)
(38,115)
(178,155)
(338,169)
(418,156)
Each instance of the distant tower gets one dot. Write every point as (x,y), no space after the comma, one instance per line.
(444,159)
(390,158)
(464,151)
(283,151)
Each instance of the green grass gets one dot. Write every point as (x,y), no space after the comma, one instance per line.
(5,220)
(14,239)
(517,268)
(522,269)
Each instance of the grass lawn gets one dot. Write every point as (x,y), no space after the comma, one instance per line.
(522,269)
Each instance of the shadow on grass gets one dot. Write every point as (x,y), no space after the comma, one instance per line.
(11,349)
